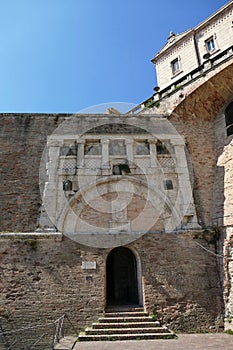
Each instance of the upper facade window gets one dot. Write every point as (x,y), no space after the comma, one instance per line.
(175,65)
(117,148)
(142,148)
(210,45)
(92,148)
(161,148)
(69,150)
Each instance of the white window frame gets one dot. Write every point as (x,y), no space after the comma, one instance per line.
(175,66)
(210,44)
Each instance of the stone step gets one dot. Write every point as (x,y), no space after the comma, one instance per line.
(125,319)
(126,325)
(125,330)
(66,343)
(135,336)
(126,314)
(124,309)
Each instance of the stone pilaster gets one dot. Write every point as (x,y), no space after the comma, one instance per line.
(48,212)
(185,190)
(153,152)
(80,153)
(105,153)
(129,150)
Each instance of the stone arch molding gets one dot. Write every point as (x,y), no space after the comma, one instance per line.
(157,205)
(139,274)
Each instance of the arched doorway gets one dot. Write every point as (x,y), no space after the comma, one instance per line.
(122,277)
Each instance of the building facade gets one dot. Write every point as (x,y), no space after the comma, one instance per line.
(133,209)
(185,52)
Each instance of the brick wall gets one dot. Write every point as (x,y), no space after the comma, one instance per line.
(22,141)
(199,137)
(41,279)
(180,280)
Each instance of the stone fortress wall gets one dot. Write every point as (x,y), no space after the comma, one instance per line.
(43,278)
(185,276)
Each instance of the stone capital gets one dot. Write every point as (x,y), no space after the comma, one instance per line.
(152,140)
(106,142)
(81,142)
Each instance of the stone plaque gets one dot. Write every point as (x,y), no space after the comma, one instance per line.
(88,265)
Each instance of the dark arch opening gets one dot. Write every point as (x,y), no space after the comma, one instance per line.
(229,119)
(122,281)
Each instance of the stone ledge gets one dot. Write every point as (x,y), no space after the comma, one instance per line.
(31,235)
(58,236)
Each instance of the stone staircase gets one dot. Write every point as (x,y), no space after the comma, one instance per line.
(130,324)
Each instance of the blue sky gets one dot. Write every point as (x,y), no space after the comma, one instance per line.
(68,55)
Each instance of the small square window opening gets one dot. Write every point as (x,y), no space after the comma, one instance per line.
(142,148)
(161,148)
(210,44)
(175,66)
(168,185)
(92,148)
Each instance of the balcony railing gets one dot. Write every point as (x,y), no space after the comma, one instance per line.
(210,64)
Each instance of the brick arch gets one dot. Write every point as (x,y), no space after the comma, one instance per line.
(200,118)
(69,221)
(207,98)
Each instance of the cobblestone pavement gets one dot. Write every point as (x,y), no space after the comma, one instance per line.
(183,342)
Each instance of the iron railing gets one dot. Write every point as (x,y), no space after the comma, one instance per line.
(40,337)
(59,330)
(189,78)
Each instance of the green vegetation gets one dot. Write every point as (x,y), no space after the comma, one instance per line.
(178,87)
(152,103)
(153,317)
(149,103)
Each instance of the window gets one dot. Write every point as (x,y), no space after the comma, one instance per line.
(117,148)
(69,150)
(67,185)
(142,148)
(229,119)
(120,169)
(92,148)
(161,148)
(168,185)
(210,44)
(175,66)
